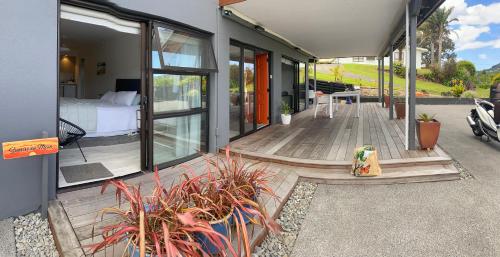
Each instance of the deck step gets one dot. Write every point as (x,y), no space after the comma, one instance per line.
(339,164)
(415,174)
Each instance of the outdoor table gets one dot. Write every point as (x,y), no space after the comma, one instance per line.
(355,93)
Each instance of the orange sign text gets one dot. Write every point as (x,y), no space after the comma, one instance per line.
(25,148)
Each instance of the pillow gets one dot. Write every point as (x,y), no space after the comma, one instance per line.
(109,97)
(137,100)
(124,97)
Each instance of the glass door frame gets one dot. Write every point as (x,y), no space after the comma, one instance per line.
(144,68)
(297,84)
(152,116)
(146,112)
(242,47)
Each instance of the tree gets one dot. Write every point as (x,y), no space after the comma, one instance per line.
(468,66)
(438,31)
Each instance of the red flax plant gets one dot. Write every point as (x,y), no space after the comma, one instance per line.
(170,223)
(230,184)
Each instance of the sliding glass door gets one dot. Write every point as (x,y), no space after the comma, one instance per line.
(301,85)
(181,63)
(293,78)
(248,89)
(234,91)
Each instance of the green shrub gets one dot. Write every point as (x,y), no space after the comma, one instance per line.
(448,72)
(467,66)
(483,79)
(495,80)
(457,87)
(469,94)
(435,74)
(399,70)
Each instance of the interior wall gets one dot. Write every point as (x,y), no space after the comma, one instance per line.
(67,68)
(121,56)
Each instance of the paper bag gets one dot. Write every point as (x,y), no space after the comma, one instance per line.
(365,162)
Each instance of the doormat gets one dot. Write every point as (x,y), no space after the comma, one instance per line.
(83,172)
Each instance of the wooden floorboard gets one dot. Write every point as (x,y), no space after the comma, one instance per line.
(86,223)
(335,139)
(338,138)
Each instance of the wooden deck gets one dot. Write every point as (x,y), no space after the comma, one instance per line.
(76,213)
(321,141)
(317,150)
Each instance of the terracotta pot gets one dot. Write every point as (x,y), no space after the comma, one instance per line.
(428,133)
(400,110)
(386,101)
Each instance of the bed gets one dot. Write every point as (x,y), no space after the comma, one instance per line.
(99,118)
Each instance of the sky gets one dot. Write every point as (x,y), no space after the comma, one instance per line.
(477,31)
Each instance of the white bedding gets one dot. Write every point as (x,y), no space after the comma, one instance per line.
(99,118)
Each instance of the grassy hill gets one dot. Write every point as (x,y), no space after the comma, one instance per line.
(366,76)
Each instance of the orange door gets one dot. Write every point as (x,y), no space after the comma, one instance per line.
(262,79)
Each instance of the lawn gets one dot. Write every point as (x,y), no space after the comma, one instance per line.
(366,76)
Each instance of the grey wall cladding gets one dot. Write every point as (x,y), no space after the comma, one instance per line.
(28,79)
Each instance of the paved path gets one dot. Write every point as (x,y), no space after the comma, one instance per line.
(460,218)
(7,241)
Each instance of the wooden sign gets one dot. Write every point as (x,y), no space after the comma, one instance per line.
(229,2)
(25,148)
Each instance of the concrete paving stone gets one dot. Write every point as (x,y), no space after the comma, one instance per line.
(7,239)
(459,218)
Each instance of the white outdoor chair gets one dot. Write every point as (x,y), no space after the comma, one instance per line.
(312,96)
(321,99)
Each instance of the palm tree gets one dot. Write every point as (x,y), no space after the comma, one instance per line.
(427,37)
(439,23)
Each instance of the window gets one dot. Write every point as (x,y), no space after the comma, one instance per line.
(181,50)
(181,64)
(358,59)
(370,58)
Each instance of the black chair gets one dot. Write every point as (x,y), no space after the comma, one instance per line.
(70,133)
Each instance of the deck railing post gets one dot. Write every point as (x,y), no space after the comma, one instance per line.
(378,77)
(412,9)
(315,84)
(382,81)
(391,83)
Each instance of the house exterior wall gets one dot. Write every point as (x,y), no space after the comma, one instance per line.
(28,80)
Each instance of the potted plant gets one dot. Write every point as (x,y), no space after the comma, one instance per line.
(427,131)
(386,99)
(286,111)
(162,224)
(204,193)
(400,107)
(247,183)
(231,187)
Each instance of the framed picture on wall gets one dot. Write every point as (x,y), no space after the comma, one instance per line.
(101,68)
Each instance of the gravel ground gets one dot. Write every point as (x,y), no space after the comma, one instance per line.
(464,172)
(33,237)
(290,219)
